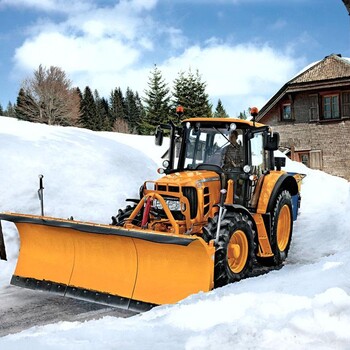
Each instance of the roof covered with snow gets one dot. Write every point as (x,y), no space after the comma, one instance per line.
(331,67)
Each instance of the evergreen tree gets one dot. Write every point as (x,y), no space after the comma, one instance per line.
(189,92)
(132,112)
(80,98)
(104,114)
(157,103)
(88,110)
(100,113)
(79,93)
(26,107)
(1,110)
(220,111)
(243,115)
(10,110)
(117,110)
(141,112)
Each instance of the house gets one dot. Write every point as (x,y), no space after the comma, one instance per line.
(312,114)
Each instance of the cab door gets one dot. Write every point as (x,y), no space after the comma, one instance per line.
(258,162)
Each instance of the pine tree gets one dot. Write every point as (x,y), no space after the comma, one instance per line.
(132,113)
(243,115)
(104,114)
(141,112)
(10,110)
(88,110)
(117,111)
(157,103)
(26,107)
(220,111)
(80,98)
(1,110)
(100,113)
(189,92)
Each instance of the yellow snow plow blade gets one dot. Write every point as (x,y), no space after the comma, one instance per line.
(133,269)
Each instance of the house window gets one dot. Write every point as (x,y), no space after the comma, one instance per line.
(304,157)
(331,107)
(286,112)
(312,159)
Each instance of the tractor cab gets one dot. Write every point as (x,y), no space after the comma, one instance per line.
(237,150)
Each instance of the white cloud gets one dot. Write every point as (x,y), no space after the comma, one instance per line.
(75,54)
(117,46)
(107,40)
(76,6)
(245,75)
(65,6)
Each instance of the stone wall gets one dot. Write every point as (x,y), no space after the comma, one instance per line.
(331,138)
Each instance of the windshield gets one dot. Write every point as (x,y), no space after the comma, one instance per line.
(215,146)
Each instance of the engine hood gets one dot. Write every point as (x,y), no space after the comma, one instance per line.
(189,178)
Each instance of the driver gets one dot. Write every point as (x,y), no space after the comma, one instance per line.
(234,155)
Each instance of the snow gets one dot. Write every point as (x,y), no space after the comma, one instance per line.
(305,305)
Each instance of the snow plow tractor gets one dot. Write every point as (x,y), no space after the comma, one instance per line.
(222,209)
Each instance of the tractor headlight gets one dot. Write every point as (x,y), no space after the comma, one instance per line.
(246,169)
(232,127)
(172,203)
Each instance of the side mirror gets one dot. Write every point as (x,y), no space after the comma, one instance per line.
(159,136)
(271,142)
(280,162)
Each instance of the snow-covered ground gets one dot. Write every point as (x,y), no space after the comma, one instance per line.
(305,305)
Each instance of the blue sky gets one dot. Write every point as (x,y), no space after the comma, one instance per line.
(245,50)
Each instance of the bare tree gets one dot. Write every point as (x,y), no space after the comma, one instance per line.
(49,98)
(121,125)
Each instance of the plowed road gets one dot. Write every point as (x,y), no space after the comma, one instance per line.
(22,308)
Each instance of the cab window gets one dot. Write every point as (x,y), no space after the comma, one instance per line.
(258,154)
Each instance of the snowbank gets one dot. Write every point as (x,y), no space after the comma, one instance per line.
(305,305)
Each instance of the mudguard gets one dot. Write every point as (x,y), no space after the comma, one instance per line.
(271,187)
(131,269)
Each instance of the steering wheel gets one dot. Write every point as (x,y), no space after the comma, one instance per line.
(210,167)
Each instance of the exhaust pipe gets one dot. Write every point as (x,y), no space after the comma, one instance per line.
(222,212)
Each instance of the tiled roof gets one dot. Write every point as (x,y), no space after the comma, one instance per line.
(331,67)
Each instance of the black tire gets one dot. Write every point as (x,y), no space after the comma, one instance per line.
(123,214)
(281,228)
(236,247)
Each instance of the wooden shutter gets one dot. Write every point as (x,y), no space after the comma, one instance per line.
(316,160)
(345,101)
(314,108)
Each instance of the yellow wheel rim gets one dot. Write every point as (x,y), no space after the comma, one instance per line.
(237,251)
(283,228)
